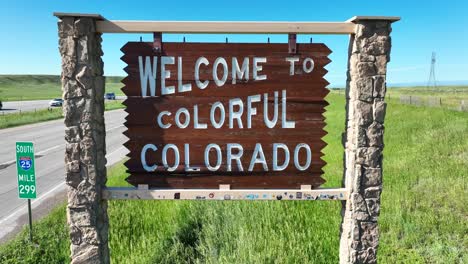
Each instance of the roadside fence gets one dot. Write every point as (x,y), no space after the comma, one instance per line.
(433,102)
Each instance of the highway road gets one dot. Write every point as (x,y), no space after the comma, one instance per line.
(28,106)
(23,106)
(49,143)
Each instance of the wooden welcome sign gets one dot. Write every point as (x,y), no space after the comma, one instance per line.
(205,114)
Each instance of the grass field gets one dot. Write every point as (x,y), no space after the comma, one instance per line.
(423,215)
(18,119)
(450,96)
(35,87)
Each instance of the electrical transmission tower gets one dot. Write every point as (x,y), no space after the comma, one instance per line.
(431,82)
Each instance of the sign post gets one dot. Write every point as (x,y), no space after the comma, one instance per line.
(228,122)
(26,175)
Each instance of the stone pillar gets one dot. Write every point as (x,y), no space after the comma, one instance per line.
(83,93)
(369,52)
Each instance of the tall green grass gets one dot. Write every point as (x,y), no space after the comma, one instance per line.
(35,87)
(24,118)
(423,217)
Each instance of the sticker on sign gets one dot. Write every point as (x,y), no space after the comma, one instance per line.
(26,170)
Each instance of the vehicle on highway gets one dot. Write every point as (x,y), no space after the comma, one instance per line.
(110,96)
(56,102)
(1,105)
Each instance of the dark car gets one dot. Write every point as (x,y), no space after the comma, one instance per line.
(110,96)
(56,102)
(1,105)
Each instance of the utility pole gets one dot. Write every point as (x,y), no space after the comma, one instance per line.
(431,82)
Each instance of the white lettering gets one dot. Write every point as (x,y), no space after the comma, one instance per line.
(201,60)
(235,114)
(308,156)
(223,62)
(251,111)
(257,68)
(176,157)
(147,74)
(238,72)
(222,115)
(165,75)
(292,60)
(160,123)
(285,123)
(197,125)
(310,68)
(218,157)
(182,87)
(187,117)
(143,157)
(258,157)
(236,157)
(270,123)
(283,166)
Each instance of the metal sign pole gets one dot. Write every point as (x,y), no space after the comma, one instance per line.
(30,221)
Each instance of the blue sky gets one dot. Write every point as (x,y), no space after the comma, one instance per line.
(30,44)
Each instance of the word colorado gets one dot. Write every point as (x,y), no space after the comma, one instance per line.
(232,113)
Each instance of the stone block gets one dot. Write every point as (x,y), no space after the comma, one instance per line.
(375,134)
(363,113)
(73,166)
(369,234)
(380,108)
(372,177)
(84,77)
(86,255)
(75,235)
(366,58)
(72,90)
(73,179)
(372,192)
(81,216)
(66,27)
(77,198)
(68,66)
(67,46)
(370,156)
(366,69)
(380,87)
(373,206)
(364,89)
(381,64)
(83,26)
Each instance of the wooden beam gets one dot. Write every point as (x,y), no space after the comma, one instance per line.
(107,26)
(383,18)
(130,193)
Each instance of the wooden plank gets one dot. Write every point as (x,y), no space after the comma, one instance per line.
(322,194)
(230,27)
(383,18)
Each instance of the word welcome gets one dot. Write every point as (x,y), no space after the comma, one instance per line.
(148,67)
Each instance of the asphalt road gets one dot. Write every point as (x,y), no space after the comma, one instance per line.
(28,106)
(23,106)
(49,143)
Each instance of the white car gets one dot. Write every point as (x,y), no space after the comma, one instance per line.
(56,102)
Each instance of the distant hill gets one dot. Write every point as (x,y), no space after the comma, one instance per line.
(35,87)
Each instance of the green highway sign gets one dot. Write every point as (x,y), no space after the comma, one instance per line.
(26,171)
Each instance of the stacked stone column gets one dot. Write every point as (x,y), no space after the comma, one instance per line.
(369,53)
(83,93)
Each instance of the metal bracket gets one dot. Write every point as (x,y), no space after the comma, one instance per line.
(224,187)
(292,46)
(143,187)
(157,42)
